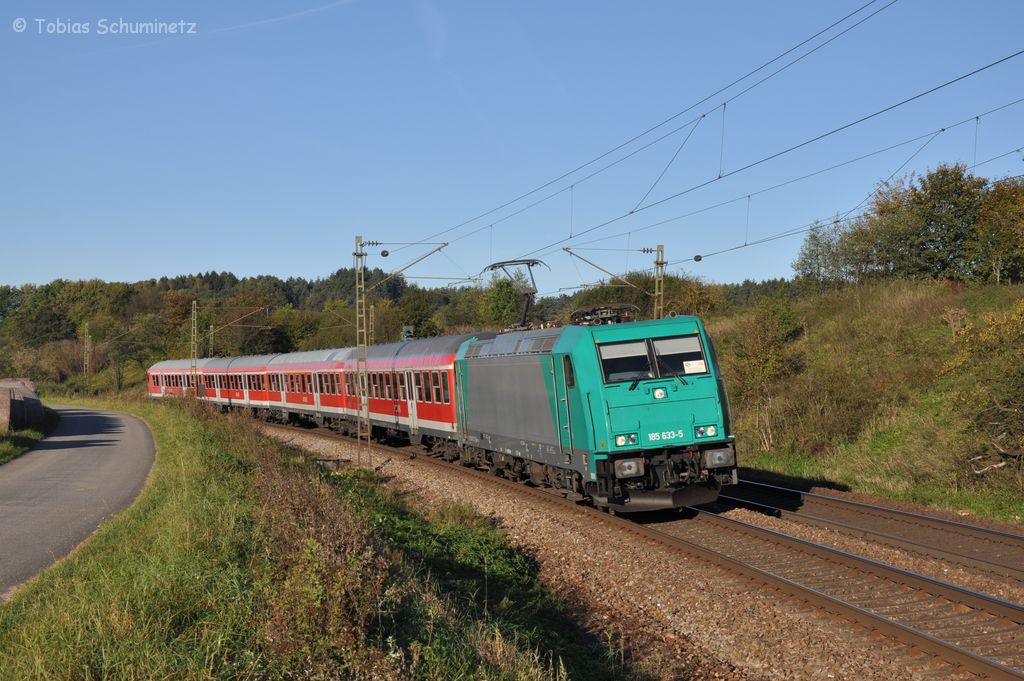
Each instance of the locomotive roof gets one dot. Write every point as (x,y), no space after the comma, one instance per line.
(516,342)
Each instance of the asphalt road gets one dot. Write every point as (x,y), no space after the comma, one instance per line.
(53,497)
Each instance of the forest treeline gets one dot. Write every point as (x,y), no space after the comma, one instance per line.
(946,225)
(131,325)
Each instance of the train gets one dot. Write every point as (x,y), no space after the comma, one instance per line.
(629,417)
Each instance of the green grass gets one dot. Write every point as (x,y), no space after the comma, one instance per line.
(163,590)
(16,443)
(488,587)
(242,559)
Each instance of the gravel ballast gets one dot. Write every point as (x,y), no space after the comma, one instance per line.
(697,621)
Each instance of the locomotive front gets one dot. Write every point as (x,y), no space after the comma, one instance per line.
(662,434)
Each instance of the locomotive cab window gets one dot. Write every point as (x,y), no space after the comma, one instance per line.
(627,361)
(680,356)
(570,376)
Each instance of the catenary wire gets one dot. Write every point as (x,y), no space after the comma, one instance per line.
(787,150)
(802,177)
(794,231)
(661,124)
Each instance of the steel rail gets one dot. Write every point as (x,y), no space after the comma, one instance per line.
(914,639)
(982,549)
(893,540)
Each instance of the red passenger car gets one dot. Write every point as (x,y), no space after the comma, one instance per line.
(410,385)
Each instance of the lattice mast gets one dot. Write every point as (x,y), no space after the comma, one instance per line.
(194,349)
(659,283)
(362,344)
(87,358)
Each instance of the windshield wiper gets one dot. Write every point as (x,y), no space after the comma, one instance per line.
(635,383)
(663,367)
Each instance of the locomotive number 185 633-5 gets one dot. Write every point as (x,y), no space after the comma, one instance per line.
(665,435)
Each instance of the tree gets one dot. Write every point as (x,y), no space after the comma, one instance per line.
(946,205)
(923,229)
(38,321)
(465,309)
(502,302)
(10,299)
(998,250)
(690,295)
(417,310)
(818,264)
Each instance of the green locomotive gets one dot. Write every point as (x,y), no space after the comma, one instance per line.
(633,416)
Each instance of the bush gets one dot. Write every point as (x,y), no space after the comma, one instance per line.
(992,354)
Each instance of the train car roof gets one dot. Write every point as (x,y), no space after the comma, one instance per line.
(440,345)
(250,361)
(171,364)
(422,347)
(220,362)
(307,357)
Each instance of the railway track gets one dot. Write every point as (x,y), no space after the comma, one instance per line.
(993,551)
(961,619)
(939,628)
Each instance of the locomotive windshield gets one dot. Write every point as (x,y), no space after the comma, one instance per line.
(631,360)
(680,356)
(625,361)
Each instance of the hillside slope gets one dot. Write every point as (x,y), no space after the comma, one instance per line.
(905,389)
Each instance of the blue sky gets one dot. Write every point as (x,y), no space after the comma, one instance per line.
(263,143)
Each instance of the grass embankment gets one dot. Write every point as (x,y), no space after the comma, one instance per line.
(242,559)
(876,388)
(16,443)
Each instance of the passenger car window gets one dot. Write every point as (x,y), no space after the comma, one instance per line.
(426,387)
(625,361)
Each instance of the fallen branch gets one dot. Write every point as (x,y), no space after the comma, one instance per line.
(986,469)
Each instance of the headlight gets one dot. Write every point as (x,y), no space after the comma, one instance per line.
(720,458)
(705,431)
(629,468)
(623,440)
(659,393)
